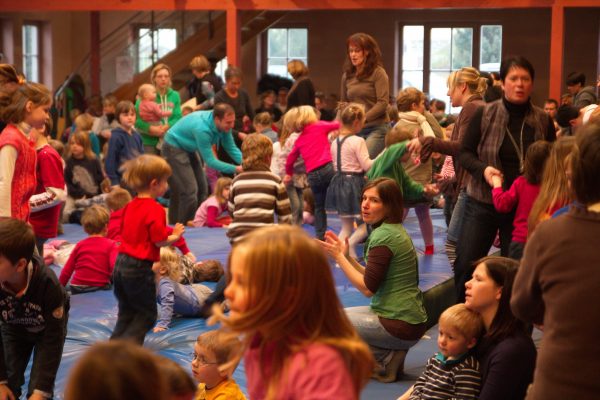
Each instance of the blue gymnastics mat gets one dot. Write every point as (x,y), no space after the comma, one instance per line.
(93,315)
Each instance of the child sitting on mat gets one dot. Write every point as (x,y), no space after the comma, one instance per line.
(173,297)
(92,261)
(211,351)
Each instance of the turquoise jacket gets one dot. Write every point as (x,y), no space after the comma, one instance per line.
(197,132)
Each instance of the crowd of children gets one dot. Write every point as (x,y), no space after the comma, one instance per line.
(277,304)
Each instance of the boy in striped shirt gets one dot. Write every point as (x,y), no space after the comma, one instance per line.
(256,194)
(453,373)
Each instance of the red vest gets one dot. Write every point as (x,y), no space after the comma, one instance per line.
(23,182)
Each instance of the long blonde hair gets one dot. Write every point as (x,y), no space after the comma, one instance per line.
(82,138)
(554,189)
(293,303)
(169,261)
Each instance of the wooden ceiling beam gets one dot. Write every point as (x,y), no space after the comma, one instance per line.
(141,5)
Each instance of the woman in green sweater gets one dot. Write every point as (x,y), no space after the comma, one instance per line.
(168,99)
(395,320)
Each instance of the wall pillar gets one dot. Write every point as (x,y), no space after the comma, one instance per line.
(234,37)
(557,40)
(95,52)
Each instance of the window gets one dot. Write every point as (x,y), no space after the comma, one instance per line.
(430,53)
(221,67)
(165,40)
(31,52)
(284,45)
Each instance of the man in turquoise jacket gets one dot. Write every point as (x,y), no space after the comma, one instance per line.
(197,133)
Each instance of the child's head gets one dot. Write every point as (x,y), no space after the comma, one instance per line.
(185,110)
(109,102)
(125,114)
(80,146)
(84,122)
(147,92)
(212,350)
(535,159)
(585,165)
(305,115)
(58,146)
(94,220)
(17,242)
(411,99)
(353,117)
(200,66)
(222,189)
(180,386)
(398,134)
(116,370)
(147,172)
(459,330)
(257,150)
(169,264)
(117,198)
(281,287)
(267,98)
(29,103)
(262,121)
(208,271)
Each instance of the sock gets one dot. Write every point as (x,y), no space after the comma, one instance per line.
(429,250)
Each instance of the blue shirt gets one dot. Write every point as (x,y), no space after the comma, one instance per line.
(175,298)
(121,147)
(197,132)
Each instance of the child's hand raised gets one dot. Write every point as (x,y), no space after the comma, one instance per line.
(178,230)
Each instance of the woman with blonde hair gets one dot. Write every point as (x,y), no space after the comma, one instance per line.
(302,92)
(283,300)
(465,88)
(168,99)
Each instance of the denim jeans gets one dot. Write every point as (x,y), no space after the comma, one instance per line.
(381,342)
(375,138)
(188,183)
(135,290)
(296,203)
(480,223)
(319,182)
(458,216)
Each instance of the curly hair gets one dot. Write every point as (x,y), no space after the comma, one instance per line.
(369,46)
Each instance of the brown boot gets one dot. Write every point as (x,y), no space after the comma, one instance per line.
(393,369)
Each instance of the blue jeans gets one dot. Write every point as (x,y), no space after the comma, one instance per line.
(375,137)
(135,290)
(480,223)
(457,219)
(381,342)
(188,183)
(296,203)
(318,180)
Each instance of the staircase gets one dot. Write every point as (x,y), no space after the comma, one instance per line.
(209,39)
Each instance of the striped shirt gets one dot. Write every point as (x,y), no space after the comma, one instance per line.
(452,379)
(255,197)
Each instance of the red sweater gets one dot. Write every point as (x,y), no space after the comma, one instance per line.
(92,261)
(49,174)
(114,231)
(144,223)
(521,194)
(23,182)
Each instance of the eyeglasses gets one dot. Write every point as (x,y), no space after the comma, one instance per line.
(201,360)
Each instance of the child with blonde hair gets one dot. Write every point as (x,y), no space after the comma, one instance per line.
(144,231)
(84,123)
(93,259)
(125,142)
(522,194)
(256,195)
(212,351)
(173,297)
(313,145)
(83,175)
(453,373)
(209,212)
(262,123)
(283,301)
(351,161)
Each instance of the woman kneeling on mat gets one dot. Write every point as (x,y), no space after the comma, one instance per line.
(390,279)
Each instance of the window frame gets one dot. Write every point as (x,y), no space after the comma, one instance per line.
(475,54)
(135,35)
(39,55)
(263,56)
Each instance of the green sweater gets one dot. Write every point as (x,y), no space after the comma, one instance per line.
(172,102)
(398,296)
(388,165)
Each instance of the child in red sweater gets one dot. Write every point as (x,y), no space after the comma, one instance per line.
(522,194)
(92,261)
(143,232)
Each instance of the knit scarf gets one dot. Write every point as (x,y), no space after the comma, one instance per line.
(415,117)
